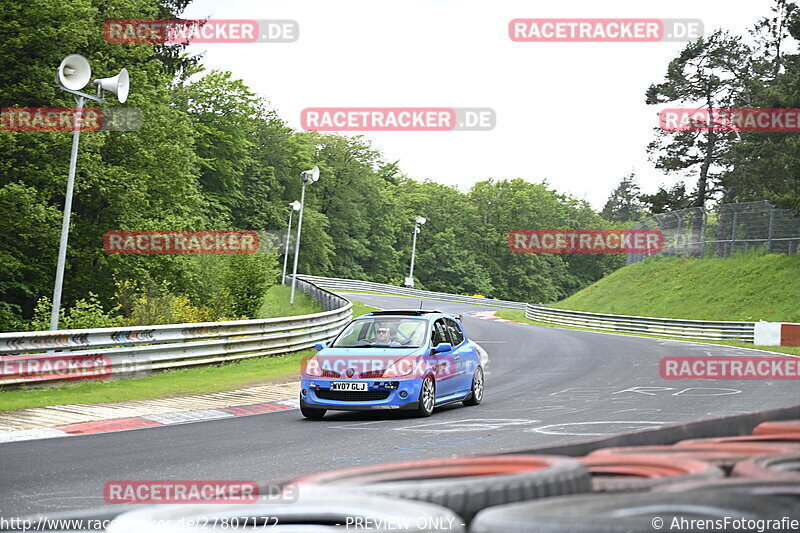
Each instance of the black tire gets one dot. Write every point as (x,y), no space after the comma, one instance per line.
(465,484)
(477,393)
(744,485)
(312,511)
(617,513)
(427,397)
(312,413)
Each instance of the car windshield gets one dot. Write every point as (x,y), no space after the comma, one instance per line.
(383,332)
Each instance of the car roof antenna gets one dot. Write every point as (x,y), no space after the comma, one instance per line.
(420,305)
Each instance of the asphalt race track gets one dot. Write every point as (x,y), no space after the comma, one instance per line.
(543,386)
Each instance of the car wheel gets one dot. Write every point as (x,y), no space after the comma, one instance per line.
(477,388)
(312,413)
(427,397)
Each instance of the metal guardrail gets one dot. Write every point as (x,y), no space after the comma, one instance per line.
(673,327)
(340,284)
(689,329)
(133,350)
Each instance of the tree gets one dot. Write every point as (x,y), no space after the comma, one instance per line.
(711,73)
(624,204)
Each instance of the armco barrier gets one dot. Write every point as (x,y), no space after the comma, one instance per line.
(339,284)
(145,348)
(689,329)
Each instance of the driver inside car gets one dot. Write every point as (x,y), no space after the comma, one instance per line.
(385,336)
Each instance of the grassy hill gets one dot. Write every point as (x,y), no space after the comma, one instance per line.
(748,286)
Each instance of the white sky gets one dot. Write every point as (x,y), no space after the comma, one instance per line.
(569,112)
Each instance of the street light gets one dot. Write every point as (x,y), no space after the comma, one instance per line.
(73,74)
(295,206)
(309,176)
(417,223)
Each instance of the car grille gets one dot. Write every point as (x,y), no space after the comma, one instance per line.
(372,374)
(351,396)
(330,374)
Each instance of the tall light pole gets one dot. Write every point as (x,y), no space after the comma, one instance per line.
(417,223)
(73,74)
(295,206)
(309,176)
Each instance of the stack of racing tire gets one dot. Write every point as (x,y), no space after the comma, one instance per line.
(744,483)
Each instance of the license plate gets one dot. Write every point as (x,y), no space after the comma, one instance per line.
(349,385)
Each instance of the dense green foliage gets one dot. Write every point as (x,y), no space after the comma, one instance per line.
(211,155)
(748,286)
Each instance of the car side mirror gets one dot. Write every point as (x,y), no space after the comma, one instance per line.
(319,346)
(442,347)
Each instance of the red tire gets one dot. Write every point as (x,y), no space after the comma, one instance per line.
(773,467)
(724,456)
(466,484)
(631,472)
(777,437)
(777,427)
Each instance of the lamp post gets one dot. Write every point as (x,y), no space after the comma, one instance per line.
(295,206)
(308,176)
(417,223)
(73,74)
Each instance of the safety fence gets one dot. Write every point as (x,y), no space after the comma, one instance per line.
(127,351)
(352,285)
(723,231)
(673,327)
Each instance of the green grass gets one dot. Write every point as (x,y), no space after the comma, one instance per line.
(276,303)
(519,316)
(226,377)
(747,287)
(362,309)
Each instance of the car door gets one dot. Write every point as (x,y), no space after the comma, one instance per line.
(446,374)
(463,357)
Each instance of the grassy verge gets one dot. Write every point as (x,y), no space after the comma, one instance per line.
(519,316)
(748,286)
(227,377)
(276,303)
(362,309)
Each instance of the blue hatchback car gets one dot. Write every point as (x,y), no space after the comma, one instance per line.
(402,359)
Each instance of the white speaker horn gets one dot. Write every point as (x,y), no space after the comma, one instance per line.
(74,72)
(119,85)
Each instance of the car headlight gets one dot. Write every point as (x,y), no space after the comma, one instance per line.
(404,367)
(312,368)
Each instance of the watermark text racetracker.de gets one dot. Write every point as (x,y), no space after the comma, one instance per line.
(397,119)
(744,120)
(588,30)
(201,31)
(585,241)
(120,492)
(66,119)
(730,368)
(181,242)
(48,367)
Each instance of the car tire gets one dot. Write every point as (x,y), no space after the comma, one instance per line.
(777,427)
(618,513)
(312,413)
(780,467)
(631,472)
(312,511)
(477,388)
(463,484)
(427,397)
